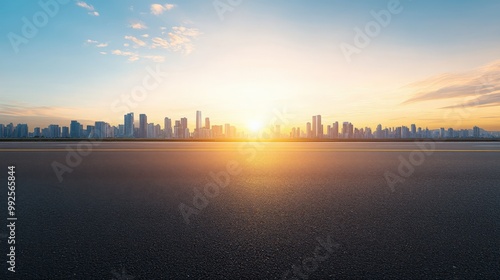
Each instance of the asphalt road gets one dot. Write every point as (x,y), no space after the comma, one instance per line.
(253,211)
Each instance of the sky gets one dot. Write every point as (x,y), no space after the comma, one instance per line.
(432,63)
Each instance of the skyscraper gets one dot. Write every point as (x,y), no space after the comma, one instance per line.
(476,132)
(207,123)
(168,128)
(198,124)
(54,131)
(74,129)
(177,130)
(319,127)
(335,130)
(65,132)
(101,130)
(314,127)
(184,128)
(129,125)
(143,126)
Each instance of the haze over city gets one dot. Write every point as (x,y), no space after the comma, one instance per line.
(427,63)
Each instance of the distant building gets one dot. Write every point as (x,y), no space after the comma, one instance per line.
(168,133)
(143,126)
(54,131)
(198,124)
(476,132)
(65,132)
(128,125)
(74,129)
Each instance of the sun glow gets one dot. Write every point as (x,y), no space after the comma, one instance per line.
(254,126)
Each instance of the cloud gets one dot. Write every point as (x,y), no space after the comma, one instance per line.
(478,87)
(138,25)
(96,43)
(160,43)
(145,35)
(103,52)
(88,7)
(158,9)
(134,56)
(179,39)
(138,42)
(26,110)
(131,56)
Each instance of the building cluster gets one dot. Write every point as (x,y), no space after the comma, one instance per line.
(178,129)
(131,128)
(316,130)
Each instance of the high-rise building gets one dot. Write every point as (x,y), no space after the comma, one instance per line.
(308,130)
(442,133)
(129,125)
(101,130)
(121,130)
(54,131)
(21,131)
(74,129)
(198,124)
(335,130)
(143,126)
(168,128)
(150,133)
(65,132)
(207,123)
(476,132)
(184,127)
(177,130)
(314,127)
(379,132)
(319,127)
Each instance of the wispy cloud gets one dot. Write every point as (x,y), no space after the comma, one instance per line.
(25,110)
(158,9)
(179,39)
(96,43)
(138,25)
(91,10)
(481,87)
(132,56)
(138,42)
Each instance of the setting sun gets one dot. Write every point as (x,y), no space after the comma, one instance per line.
(254,126)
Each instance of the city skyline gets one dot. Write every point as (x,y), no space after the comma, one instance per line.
(180,129)
(391,61)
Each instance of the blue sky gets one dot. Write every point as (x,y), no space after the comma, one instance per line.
(260,56)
